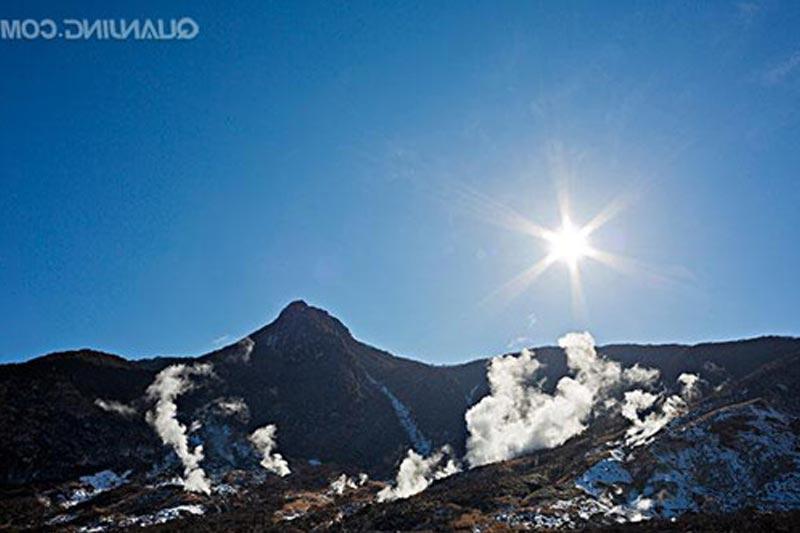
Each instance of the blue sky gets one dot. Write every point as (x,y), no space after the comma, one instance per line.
(156,198)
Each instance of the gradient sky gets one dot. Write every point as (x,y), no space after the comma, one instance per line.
(161,198)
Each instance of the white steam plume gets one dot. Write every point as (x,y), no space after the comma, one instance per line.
(344,482)
(417,472)
(245,346)
(165,389)
(635,401)
(240,352)
(113,406)
(233,407)
(642,429)
(641,375)
(517,417)
(690,386)
(263,440)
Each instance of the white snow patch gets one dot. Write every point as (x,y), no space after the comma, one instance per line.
(418,440)
(752,460)
(164,515)
(602,475)
(95,484)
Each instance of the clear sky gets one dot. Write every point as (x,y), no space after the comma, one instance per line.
(164,197)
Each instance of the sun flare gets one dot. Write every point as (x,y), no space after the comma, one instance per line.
(569,244)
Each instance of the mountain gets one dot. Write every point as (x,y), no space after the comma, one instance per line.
(80,447)
(53,429)
(338,400)
(334,399)
(732,462)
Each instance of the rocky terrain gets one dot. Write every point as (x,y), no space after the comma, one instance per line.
(301,426)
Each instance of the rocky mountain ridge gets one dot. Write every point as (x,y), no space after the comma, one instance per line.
(333,397)
(83,426)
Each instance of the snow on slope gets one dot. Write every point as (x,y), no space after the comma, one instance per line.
(93,485)
(741,456)
(606,473)
(418,440)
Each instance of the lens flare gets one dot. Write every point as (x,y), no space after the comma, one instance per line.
(569,244)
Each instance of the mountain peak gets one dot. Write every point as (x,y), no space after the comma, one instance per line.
(296,306)
(298,316)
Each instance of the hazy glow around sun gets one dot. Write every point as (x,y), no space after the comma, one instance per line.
(569,244)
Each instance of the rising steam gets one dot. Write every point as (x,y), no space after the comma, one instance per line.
(690,386)
(643,428)
(165,389)
(113,406)
(339,485)
(518,417)
(417,472)
(263,439)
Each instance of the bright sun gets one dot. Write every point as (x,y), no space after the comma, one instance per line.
(569,244)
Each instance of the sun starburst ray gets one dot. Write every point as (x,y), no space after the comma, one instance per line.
(610,211)
(495,212)
(568,244)
(516,285)
(576,290)
(636,268)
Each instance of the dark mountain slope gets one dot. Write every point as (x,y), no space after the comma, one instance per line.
(735,453)
(332,398)
(714,361)
(336,399)
(51,425)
